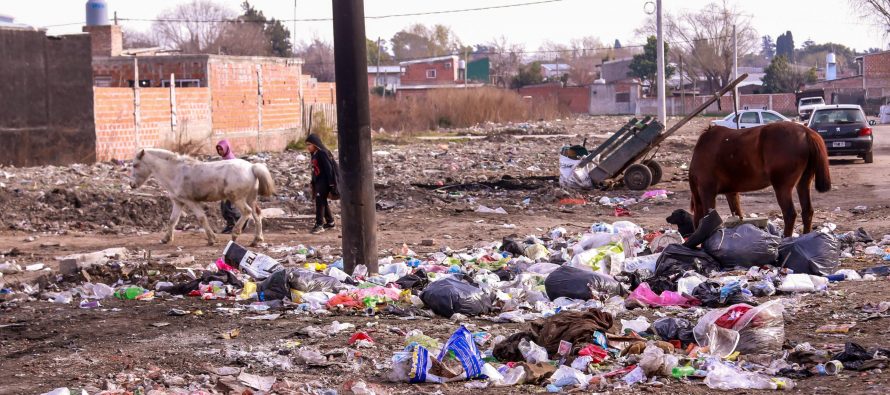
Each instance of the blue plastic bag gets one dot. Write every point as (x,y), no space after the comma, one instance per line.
(414,362)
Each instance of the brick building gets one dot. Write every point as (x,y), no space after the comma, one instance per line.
(422,75)
(188,102)
(869,88)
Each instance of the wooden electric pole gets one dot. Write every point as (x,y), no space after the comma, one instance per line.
(354,137)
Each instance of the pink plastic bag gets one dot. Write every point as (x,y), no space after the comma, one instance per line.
(645,295)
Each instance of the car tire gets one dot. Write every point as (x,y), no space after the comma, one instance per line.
(869,157)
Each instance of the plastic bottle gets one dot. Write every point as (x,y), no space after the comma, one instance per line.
(682,371)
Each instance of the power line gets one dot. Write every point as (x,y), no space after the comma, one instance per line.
(330,19)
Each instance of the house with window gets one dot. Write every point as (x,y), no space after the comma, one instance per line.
(444,72)
(389,77)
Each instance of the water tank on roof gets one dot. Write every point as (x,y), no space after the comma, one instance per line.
(830,67)
(97,13)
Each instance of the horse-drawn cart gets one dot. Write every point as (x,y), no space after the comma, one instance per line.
(625,152)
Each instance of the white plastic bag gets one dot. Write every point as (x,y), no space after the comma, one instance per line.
(797,282)
(640,324)
(532,352)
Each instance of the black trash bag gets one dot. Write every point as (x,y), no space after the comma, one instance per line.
(674,261)
(706,227)
(512,246)
(505,274)
(274,287)
(451,295)
(309,281)
(575,283)
(708,293)
(745,245)
(670,328)
(853,356)
(813,253)
(225,276)
(416,281)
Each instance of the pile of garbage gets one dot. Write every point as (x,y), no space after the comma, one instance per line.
(728,288)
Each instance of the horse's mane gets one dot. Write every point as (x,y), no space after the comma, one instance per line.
(169,155)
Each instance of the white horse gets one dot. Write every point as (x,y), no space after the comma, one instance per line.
(189,181)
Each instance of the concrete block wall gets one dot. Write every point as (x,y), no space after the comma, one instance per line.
(46,111)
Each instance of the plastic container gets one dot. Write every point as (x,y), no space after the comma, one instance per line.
(256,265)
(682,371)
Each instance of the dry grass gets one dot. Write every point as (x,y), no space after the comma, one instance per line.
(456,108)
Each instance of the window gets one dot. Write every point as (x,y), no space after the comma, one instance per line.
(622,97)
(749,117)
(142,83)
(431,73)
(448,65)
(769,117)
(186,83)
(838,116)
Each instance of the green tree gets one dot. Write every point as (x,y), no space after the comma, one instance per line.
(373,53)
(419,41)
(255,31)
(279,37)
(785,46)
(645,65)
(782,77)
(768,47)
(528,74)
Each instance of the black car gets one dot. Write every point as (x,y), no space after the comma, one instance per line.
(845,130)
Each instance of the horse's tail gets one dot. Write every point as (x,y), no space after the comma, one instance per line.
(818,161)
(267,185)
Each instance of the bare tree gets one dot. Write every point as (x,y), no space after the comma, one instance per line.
(505,58)
(195,27)
(139,39)
(704,40)
(318,58)
(877,11)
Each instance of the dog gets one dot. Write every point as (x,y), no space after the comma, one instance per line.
(683,220)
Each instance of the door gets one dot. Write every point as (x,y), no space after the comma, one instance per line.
(749,119)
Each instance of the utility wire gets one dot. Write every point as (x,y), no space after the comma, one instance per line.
(236,20)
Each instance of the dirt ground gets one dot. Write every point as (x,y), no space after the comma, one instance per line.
(427,189)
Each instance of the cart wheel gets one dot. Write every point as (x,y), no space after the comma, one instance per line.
(655,168)
(637,177)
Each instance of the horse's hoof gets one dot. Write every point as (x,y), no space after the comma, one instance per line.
(165,241)
(211,242)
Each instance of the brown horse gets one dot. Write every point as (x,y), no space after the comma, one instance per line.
(781,154)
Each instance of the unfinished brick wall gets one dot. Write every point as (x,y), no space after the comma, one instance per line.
(252,102)
(116,130)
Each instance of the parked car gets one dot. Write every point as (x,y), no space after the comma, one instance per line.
(806,106)
(845,130)
(750,119)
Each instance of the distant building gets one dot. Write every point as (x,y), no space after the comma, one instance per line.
(443,72)
(617,70)
(389,77)
(870,87)
(554,70)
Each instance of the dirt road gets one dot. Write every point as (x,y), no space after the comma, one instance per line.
(123,343)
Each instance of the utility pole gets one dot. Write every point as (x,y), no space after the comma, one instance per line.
(466,66)
(294,43)
(662,112)
(377,77)
(682,88)
(735,67)
(354,136)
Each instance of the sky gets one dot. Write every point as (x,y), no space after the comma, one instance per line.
(558,21)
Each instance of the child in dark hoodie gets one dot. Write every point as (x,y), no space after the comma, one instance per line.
(229,213)
(323,182)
